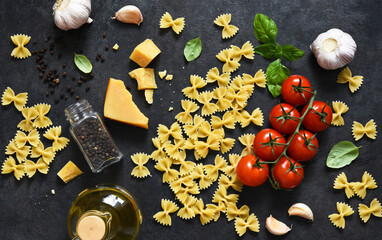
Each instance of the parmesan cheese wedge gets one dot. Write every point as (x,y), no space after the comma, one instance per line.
(119,105)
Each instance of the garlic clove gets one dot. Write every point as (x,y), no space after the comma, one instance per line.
(334,49)
(276,227)
(129,14)
(301,210)
(71,14)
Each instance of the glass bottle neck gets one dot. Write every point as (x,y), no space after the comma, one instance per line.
(78,111)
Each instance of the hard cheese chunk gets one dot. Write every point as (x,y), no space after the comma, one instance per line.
(69,172)
(144,53)
(119,105)
(145,78)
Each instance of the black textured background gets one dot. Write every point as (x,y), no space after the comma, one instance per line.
(29,211)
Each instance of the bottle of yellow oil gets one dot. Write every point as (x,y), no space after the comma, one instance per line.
(104,212)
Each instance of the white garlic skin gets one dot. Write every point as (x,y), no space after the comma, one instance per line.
(129,14)
(339,55)
(71,14)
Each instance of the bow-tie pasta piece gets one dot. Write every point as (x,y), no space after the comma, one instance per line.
(18,100)
(47,154)
(41,120)
(368,182)
(21,153)
(213,75)
(29,114)
(140,171)
(166,21)
(226,56)
(344,210)
(206,214)
(370,130)
(10,165)
(32,138)
(20,40)
(251,223)
(31,167)
(228,30)
(346,76)
(339,108)
(365,211)
(163,217)
(341,182)
(188,107)
(54,134)
(246,50)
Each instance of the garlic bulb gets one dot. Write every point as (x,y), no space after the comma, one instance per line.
(129,14)
(333,49)
(71,14)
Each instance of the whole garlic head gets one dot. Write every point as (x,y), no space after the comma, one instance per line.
(333,49)
(71,14)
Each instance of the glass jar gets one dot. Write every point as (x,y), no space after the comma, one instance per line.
(104,212)
(91,136)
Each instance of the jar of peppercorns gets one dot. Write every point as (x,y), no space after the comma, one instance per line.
(91,136)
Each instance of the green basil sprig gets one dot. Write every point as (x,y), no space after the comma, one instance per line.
(83,63)
(265,32)
(193,49)
(342,154)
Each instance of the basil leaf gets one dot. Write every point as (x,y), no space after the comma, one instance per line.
(83,63)
(291,53)
(193,49)
(276,74)
(265,29)
(269,50)
(342,154)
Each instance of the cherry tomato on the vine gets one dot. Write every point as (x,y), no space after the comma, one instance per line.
(251,171)
(269,144)
(296,90)
(318,118)
(288,173)
(284,118)
(303,147)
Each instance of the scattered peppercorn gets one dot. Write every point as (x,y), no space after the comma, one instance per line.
(77,98)
(64,74)
(87,89)
(104,35)
(47,94)
(79,83)
(56,100)
(106,48)
(103,59)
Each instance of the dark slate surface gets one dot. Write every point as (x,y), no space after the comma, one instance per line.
(28,209)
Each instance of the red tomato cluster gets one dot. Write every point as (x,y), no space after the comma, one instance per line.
(270,144)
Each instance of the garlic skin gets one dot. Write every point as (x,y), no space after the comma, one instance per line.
(333,49)
(276,227)
(301,210)
(71,14)
(129,14)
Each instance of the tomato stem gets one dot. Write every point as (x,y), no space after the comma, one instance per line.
(275,184)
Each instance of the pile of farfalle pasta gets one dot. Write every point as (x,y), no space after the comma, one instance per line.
(200,130)
(27,144)
(351,189)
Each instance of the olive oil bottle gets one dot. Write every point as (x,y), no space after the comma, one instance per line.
(104,212)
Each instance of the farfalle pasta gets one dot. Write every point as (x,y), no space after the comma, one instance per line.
(224,21)
(251,223)
(32,138)
(339,108)
(189,107)
(177,184)
(185,166)
(256,117)
(233,160)
(222,196)
(341,182)
(20,40)
(206,214)
(346,76)
(30,167)
(41,120)
(227,121)
(198,173)
(368,182)
(164,165)
(213,76)
(208,106)
(192,129)
(365,212)
(185,192)
(247,141)
(187,211)
(140,171)
(10,166)
(177,25)
(18,100)
(54,134)
(344,210)
(232,182)
(259,79)
(163,217)
(21,153)
(196,83)
(226,56)
(222,103)
(212,171)
(246,50)
(164,133)
(159,153)
(226,144)
(174,150)
(29,114)
(202,148)
(47,154)
(239,97)
(370,129)
(233,211)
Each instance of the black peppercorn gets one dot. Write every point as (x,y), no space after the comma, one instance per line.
(56,100)
(106,48)
(103,59)
(87,89)
(79,83)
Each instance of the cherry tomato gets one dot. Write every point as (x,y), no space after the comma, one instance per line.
(288,174)
(303,147)
(296,90)
(318,118)
(251,171)
(284,118)
(269,144)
